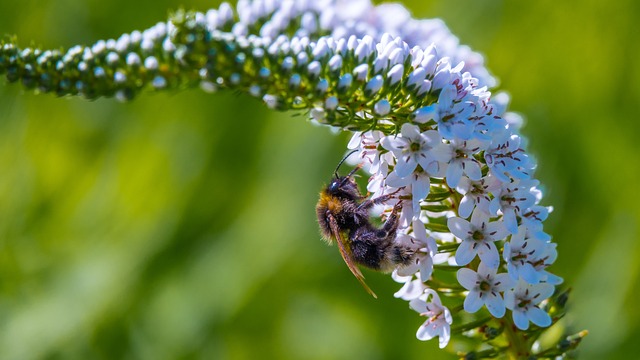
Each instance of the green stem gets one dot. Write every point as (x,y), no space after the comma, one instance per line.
(472,325)
(518,347)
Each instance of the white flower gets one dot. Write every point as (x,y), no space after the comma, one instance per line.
(453,114)
(543,259)
(425,250)
(523,300)
(511,200)
(438,321)
(374,85)
(520,253)
(505,158)
(395,74)
(477,237)
(418,183)
(484,288)
(367,143)
(361,71)
(413,147)
(382,107)
(462,161)
(411,288)
(533,217)
(476,194)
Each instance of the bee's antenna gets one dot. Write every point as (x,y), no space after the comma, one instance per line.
(340,163)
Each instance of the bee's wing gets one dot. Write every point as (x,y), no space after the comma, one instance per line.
(345,251)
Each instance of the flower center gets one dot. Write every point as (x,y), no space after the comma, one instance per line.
(508,199)
(524,303)
(414,147)
(485,286)
(477,236)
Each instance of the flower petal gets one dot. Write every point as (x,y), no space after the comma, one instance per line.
(539,316)
(459,227)
(420,187)
(495,304)
(426,267)
(520,319)
(467,278)
(472,169)
(410,131)
(466,206)
(410,290)
(497,230)
(396,181)
(465,253)
(510,221)
(503,282)
(454,173)
(426,332)
(418,305)
(544,290)
(405,166)
(473,302)
(488,254)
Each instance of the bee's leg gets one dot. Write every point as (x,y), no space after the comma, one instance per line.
(388,230)
(368,204)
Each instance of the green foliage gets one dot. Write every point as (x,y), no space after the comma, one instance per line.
(182,226)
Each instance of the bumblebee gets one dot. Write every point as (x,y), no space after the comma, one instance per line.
(343,216)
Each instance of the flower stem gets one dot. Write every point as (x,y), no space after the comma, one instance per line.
(518,347)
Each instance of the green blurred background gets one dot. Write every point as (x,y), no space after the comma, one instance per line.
(182,225)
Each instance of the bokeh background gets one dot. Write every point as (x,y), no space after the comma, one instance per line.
(182,225)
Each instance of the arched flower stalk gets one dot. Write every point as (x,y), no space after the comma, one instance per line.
(425,126)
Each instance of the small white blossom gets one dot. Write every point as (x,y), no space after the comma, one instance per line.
(133,59)
(453,114)
(520,253)
(523,300)
(361,72)
(416,77)
(411,288)
(484,288)
(533,217)
(476,194)
(478,237)
(439,318)
(314,68)
(368,143)
(419,183)
(335,63)
(505,158)
(425,247)
(543,259)
(462,161)
(511,200)
(345,82)
(395,74)
(382,107)
(331,103)
(151,63)
(374,85)
(423,114)
(413,147)
(322,86)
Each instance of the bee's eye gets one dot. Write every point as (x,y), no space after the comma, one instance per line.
(334,186)
(381,234)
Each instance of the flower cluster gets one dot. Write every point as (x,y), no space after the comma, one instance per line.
(462,171)
(426,127)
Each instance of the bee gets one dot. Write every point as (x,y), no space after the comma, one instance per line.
(343,216)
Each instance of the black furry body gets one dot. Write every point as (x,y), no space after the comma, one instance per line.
(368,245)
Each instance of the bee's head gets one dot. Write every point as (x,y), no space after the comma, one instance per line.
(344,185)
